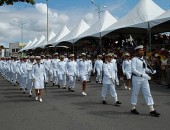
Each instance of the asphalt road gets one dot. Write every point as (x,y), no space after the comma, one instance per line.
(63,110)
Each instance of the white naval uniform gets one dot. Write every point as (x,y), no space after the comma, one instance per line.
(62,73)
(14,71)
(54,70)
(98,66)
(83,67)
(127,68)
(71,70)
(38,75)
(29,77)
(23,72)
(114,62)
(109,75)
(47,63)
(90,68)
(139,82)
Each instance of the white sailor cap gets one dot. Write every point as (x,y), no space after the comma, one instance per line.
(115,55)
(109,55)
(31,57)
(83,54)
(139,47)
(37,57)
(71,55)
(56,54)
(100,56)
(156,55)
(162,49)
(62,56)
(127,54)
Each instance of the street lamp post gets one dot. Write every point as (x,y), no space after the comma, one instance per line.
(21,25)
(99,11)
(47,26)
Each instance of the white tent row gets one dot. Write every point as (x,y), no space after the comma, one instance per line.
(146,11)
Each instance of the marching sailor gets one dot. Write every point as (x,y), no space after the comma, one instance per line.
(109,80)
(54,69)
(47,63)
(29,75)
(83,67)
(62,72)
(140,81)
(38,76)
(90,67)
(71,68)
(23,73)
(98,67)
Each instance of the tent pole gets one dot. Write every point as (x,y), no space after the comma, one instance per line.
(100,43)
(150,39)
(73,46)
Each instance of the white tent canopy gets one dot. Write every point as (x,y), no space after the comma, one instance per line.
(33,44)
(29,43)
(78,30)
(158,20)
(42,38)
(64,31)
(104,22)
(44,42)
(145,10)
(35,40)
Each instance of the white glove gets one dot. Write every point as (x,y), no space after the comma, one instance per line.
(154,72)
(117,81)
(147,77)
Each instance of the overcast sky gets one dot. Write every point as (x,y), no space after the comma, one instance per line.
(61,12)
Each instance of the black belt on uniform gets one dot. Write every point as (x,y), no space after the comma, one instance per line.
(135,75)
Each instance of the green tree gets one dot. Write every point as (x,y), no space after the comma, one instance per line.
(11,2)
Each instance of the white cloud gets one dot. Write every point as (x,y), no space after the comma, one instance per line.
(35,20)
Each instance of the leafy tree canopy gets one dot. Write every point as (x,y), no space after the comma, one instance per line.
(11,2)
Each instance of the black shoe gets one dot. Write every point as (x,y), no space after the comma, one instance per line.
(64,88)
(24,92)
(96,81)
(69,89)
(58,86)
(104,102)
(53,84)
(134,111)
(72,90)
(20,89)
(154,113)
(118,102)
(38,93)
(30,95)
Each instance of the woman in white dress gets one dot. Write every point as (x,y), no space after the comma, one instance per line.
(39,76)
